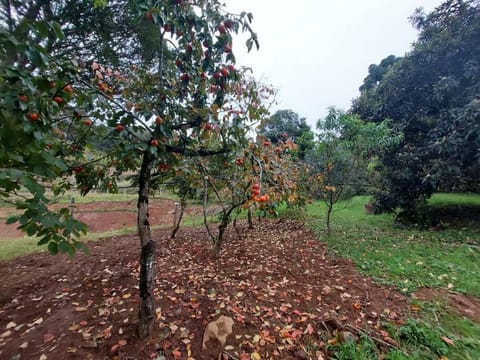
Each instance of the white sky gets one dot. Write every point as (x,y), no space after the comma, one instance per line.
(317,52)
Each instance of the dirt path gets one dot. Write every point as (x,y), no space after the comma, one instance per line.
(105,216)
(272,280)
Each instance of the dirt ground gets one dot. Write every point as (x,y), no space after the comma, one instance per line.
(105,216)
(287,299)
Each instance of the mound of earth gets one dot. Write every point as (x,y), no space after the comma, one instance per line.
(286,298)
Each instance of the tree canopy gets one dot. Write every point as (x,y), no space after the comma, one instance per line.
(432,96)
(287,124)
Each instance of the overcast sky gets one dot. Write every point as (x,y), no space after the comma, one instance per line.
(317,52)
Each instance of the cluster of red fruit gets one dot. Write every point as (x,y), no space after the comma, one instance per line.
(33,115)
(256,192)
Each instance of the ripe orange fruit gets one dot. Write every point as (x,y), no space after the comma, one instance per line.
(119,127)
(87,122)
(33,116)
(154,142)
(159,120)
(58,100)
(23,98)
(68,88)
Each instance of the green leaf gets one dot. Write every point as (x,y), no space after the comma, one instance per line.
(12,219)
(42,28)
(53,248)
(32,186)
(64,247)
(44,240)
(57,30)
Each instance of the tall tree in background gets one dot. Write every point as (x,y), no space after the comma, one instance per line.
(109,34)
(433,96)
(287,124)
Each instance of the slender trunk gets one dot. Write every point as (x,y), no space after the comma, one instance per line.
(250,218)
(221,229)
(146,313)
(329,214)
(178,220)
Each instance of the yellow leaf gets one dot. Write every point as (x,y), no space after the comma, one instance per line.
(255,356)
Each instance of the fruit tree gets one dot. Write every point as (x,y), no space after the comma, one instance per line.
(73,122)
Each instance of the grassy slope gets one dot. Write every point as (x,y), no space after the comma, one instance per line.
(410,259)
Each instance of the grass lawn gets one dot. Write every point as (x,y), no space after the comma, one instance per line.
(410,259)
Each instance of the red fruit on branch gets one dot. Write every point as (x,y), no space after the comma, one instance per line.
(33,116)
(224,72)
(68,89)
(221,29)
(149,16)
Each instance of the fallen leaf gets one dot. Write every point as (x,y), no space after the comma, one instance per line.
(24,345)
(42,357)
(114,348)
(122,342)
(10,325)
(357,306)
(48,337)
(81,308)
(6,334)
(176,353)
(73,327)
(255,356)
(107,332)
(36,322)
(309,330)
(414,307)
(447,340)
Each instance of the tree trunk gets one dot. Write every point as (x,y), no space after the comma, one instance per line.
(183,205)
(146,313)
(221,229)
(250,218)
(329,214)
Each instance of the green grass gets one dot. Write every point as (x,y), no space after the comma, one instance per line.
(409,259)
(463,199)
(14,247)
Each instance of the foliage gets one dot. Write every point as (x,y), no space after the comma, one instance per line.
(431,95)
(345,148)
(286,124)
(58,111)
(29,155)
(262,176)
